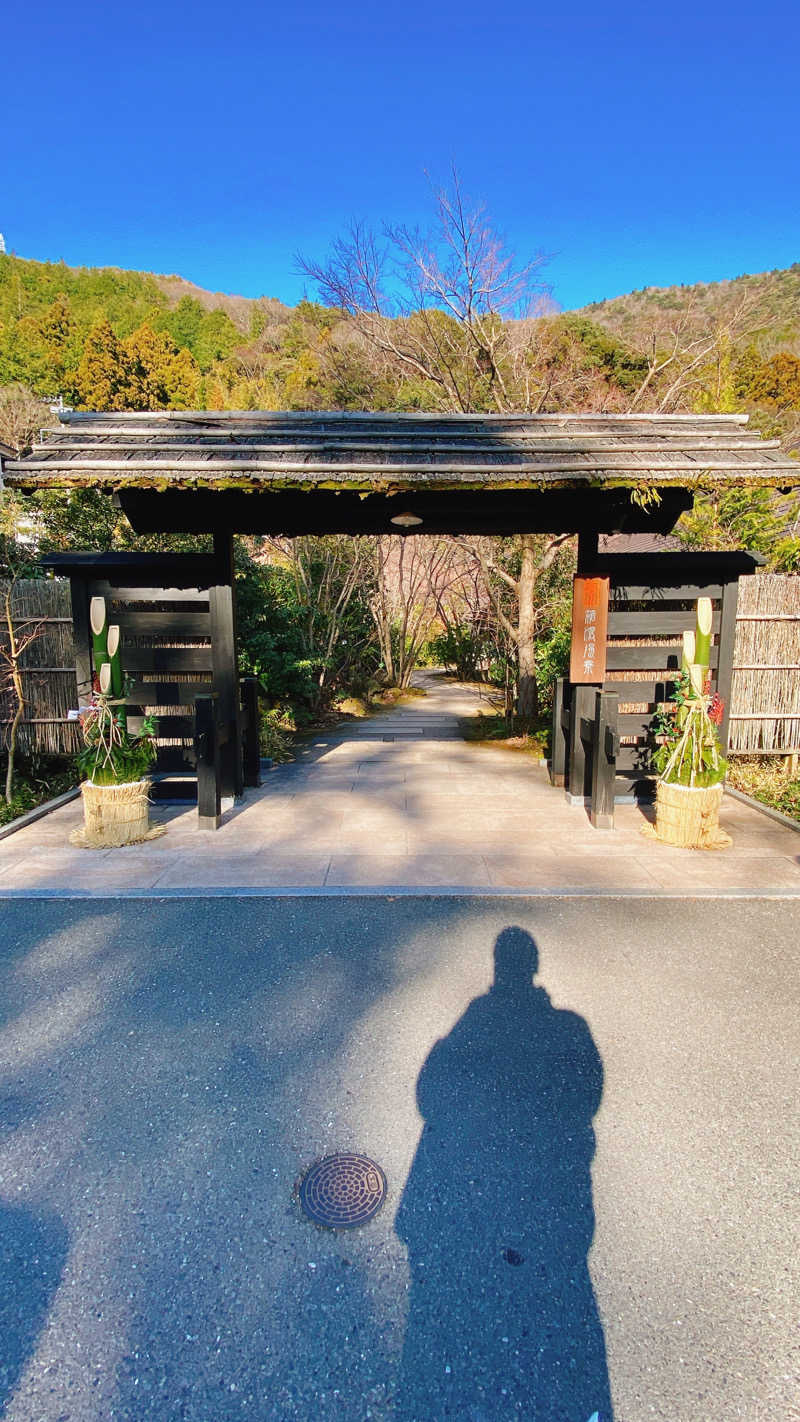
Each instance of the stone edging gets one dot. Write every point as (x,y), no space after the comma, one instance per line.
(763,809)
(31,816)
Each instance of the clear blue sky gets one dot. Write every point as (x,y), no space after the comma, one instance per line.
(638,144)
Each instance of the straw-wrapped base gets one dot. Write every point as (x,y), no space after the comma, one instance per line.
(688,816)
(114,815)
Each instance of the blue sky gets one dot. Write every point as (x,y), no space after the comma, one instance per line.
(637,145)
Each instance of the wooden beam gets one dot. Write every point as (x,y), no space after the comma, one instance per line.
(460,510)
(653,623)
(149,660)
(149,570)
(167,693)
(163,624)
(648,658)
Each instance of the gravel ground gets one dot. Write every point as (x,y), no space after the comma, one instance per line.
(592,1178)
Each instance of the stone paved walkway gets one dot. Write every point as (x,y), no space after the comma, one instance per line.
(400,801)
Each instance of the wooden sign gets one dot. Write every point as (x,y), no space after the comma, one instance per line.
(587,661)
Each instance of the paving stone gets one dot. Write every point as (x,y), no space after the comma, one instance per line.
(417,811)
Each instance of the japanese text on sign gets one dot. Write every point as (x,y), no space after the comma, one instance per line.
(589,627)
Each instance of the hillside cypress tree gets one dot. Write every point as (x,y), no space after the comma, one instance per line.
(103,376)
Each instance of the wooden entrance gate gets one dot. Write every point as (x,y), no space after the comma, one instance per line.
(603,742)
(177,616)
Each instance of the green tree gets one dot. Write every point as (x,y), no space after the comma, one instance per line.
(159,376)
(103,377)
(757,519)
(777,384)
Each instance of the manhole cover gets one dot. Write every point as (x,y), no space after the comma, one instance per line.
(342,1191)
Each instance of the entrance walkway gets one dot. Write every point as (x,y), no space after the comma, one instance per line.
(397,802)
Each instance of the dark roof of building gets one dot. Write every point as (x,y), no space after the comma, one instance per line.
(387,452)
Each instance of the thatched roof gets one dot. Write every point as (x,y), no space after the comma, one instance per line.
(261,450)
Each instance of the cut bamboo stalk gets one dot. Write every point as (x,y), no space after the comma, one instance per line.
(97,622)
(697,676)
(117,678)
(688,656)
(702,636)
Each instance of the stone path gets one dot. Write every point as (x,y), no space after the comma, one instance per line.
(399,802)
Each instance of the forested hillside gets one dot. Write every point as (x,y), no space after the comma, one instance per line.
(765,306)
(109,339)
(461,337)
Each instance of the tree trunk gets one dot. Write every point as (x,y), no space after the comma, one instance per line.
(12,747)
(528,694)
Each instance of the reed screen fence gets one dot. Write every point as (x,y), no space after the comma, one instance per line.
(41,607)
(765,694)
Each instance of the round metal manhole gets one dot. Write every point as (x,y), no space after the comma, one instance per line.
(342,1191)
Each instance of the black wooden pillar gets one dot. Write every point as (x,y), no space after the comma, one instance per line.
(604,759)
(725,652)
(581,737)
(559,751)
(82,637)
(208,752)
(224,670)
(588,540)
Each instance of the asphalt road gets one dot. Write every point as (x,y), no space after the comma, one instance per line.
(592,1176)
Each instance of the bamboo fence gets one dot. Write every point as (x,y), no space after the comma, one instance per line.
(48,667)
(765,696)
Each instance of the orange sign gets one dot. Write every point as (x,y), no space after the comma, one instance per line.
(587,661)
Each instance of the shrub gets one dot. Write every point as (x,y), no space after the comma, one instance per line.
(275,737)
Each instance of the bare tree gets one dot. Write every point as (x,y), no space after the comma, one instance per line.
(679,353)
(21,417)
(412,579)
(455,309)
(438,305)
(516,602)
(17,633)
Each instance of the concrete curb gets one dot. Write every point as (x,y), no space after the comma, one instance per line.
(31,816)
(763,809)
(399,892)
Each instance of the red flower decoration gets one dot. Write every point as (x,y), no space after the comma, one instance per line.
(716,709)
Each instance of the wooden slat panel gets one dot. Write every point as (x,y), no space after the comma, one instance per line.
(163,624)
(196,599)
(167,659)
(653,624)
(648,658)
(672,592)
(175,758)
(168,726)
(633,758)
(635,723)
(646,690)
(167,693)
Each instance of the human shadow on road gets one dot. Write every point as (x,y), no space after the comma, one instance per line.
(497,1213)
(33,1251)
